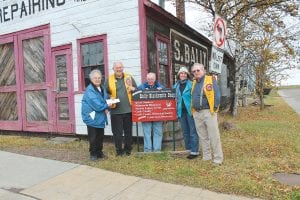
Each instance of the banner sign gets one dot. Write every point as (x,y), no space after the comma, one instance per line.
(154,105)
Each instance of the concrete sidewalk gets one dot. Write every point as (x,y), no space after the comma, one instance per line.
(30,178)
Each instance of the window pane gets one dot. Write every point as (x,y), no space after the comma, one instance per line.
(36,105)
(34,60)
(7,65)
(162,53)
(8,105)
(92,54)
(61,73)
(63,108)
(163,58)
(164,75)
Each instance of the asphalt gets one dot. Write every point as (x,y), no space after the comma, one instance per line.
(31,178)
(292,98)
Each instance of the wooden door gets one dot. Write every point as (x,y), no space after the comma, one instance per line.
(10,109)
(35,78)
(63,89)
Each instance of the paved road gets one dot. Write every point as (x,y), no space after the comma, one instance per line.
(30,178)
(292,97)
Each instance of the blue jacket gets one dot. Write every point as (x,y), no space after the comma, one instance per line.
(186,97)
(94,102)
(146,86)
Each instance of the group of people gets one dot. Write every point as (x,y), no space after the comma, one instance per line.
(197,100)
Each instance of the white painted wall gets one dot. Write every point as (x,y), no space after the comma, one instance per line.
(118,19)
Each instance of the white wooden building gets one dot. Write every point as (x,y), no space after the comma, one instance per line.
(48,47)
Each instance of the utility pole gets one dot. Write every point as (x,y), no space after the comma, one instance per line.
(162,3)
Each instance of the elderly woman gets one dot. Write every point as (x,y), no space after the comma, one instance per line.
(183,88)
(93,111)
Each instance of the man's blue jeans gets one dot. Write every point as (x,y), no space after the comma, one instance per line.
(190,136)
(156,127)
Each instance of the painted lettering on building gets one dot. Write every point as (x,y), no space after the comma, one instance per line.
(25,8)
(186,51)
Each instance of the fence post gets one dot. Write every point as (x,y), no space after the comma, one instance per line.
(137,136)
(174,136)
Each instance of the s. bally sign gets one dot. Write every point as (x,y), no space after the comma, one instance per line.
(186,51)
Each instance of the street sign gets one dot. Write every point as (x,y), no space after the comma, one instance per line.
(216,60)
(219,32)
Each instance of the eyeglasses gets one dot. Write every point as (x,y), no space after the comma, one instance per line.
(197,70)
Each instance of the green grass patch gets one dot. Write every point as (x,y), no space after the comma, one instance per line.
(264,143)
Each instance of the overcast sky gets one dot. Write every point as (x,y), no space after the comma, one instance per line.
(195,18)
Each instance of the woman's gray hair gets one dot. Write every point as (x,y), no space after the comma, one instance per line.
(95,71)
(152,75)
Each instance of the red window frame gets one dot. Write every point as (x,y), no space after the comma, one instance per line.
(164,39)
(80,42)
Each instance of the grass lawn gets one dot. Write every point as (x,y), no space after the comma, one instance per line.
(264,143)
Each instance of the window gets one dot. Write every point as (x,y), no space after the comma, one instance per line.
(163,64)
(92,56)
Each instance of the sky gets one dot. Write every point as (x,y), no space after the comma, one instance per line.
(195,18)
(294,78)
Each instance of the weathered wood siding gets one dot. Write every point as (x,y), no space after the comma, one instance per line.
(34,60)
(8,106)
(8,100)
(7,73)
(118,19)
(36,105)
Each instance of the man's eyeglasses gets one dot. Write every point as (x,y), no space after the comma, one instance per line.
(197,70)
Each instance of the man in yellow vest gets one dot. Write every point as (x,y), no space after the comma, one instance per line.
(120,85)
(205,104)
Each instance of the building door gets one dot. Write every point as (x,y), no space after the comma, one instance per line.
(35,80)
(63,89)
(10,109)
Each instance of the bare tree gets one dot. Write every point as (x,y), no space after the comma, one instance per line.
(257,37)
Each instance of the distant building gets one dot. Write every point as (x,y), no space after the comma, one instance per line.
(48,48)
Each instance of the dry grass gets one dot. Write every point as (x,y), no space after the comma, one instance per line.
(265,142)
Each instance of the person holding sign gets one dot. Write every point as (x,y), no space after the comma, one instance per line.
(149,127)
(93,112)
(120,85)
(183,88)
(205,104)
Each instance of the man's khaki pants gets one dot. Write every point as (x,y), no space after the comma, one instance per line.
(209,135)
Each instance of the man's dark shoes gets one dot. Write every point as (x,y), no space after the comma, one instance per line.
(120,153)
(101,155)
(93,158)
(191,156)
(128,153)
